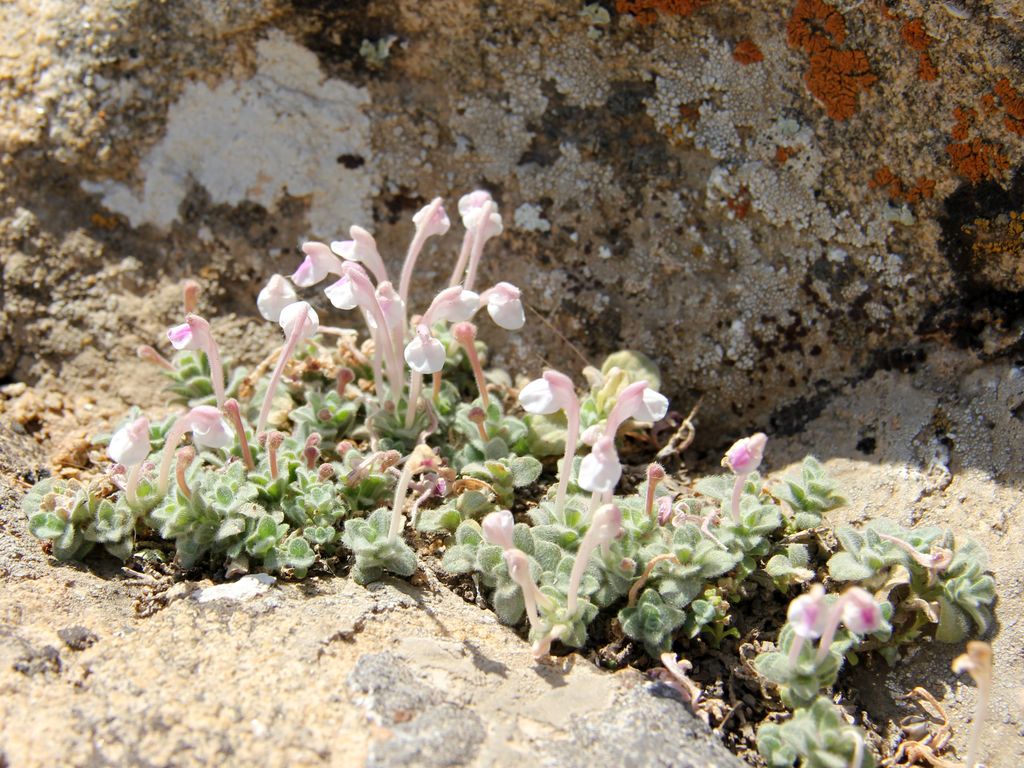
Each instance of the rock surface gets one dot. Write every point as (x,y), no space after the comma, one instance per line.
(678,177)
(842,264)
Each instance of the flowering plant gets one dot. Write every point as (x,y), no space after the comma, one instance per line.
(332,449)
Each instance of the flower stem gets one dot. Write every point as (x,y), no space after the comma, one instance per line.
(132,484)
(737,494)
(275,378)
(174,434)
(572,417)
(415,385)
(235,414)
(400,490)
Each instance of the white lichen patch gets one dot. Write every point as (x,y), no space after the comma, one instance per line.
(279,132)
(530,217)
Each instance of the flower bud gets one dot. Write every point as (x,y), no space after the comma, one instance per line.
(498,529)
(746,454)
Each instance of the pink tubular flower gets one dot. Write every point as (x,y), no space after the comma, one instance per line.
(519,570)
(807,614)
(855,608)
(299,322)
(860,613)
(341,294)
(275,296)
(600,470)
(318,264)
(637,401)
(430,220)
(743,458)
(505,306)
(498,529)
(424,354)
(130,444)
(486,224)
(362,248)
(209,430)
(452,305)
(746,454)
(392,306)
(195,334)
(550,393)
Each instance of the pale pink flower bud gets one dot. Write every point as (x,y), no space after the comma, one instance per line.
(592,434)
(471,206)
(519,568)
(425,354)
(391,305)
(664,509)
(505,306)
(498,529)
(130,444)
(746,454)
(294,313)
(808,614)
(606,525)
(478,209)
(275,296)
(362,248)
(432,219)
(600,470)
(318,264)
(861,614)
(209,428)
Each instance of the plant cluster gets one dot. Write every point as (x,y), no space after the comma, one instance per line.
(331,450)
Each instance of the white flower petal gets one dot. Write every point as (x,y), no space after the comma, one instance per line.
(275,296)
(652,407)
(600,470)
(538,397)
(291,315)
(130,444)
(425,355)
(508,313)
(342,294)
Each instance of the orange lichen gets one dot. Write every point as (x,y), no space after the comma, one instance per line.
(977,160)
(1013,106)
(884,178)
(835,76)
(814,26)
(646,11)
(914,36)
(964,118)
(926,70)
(924,189)
(988,103)
(783,153)
(747,52)
(739,204)
(917,39)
